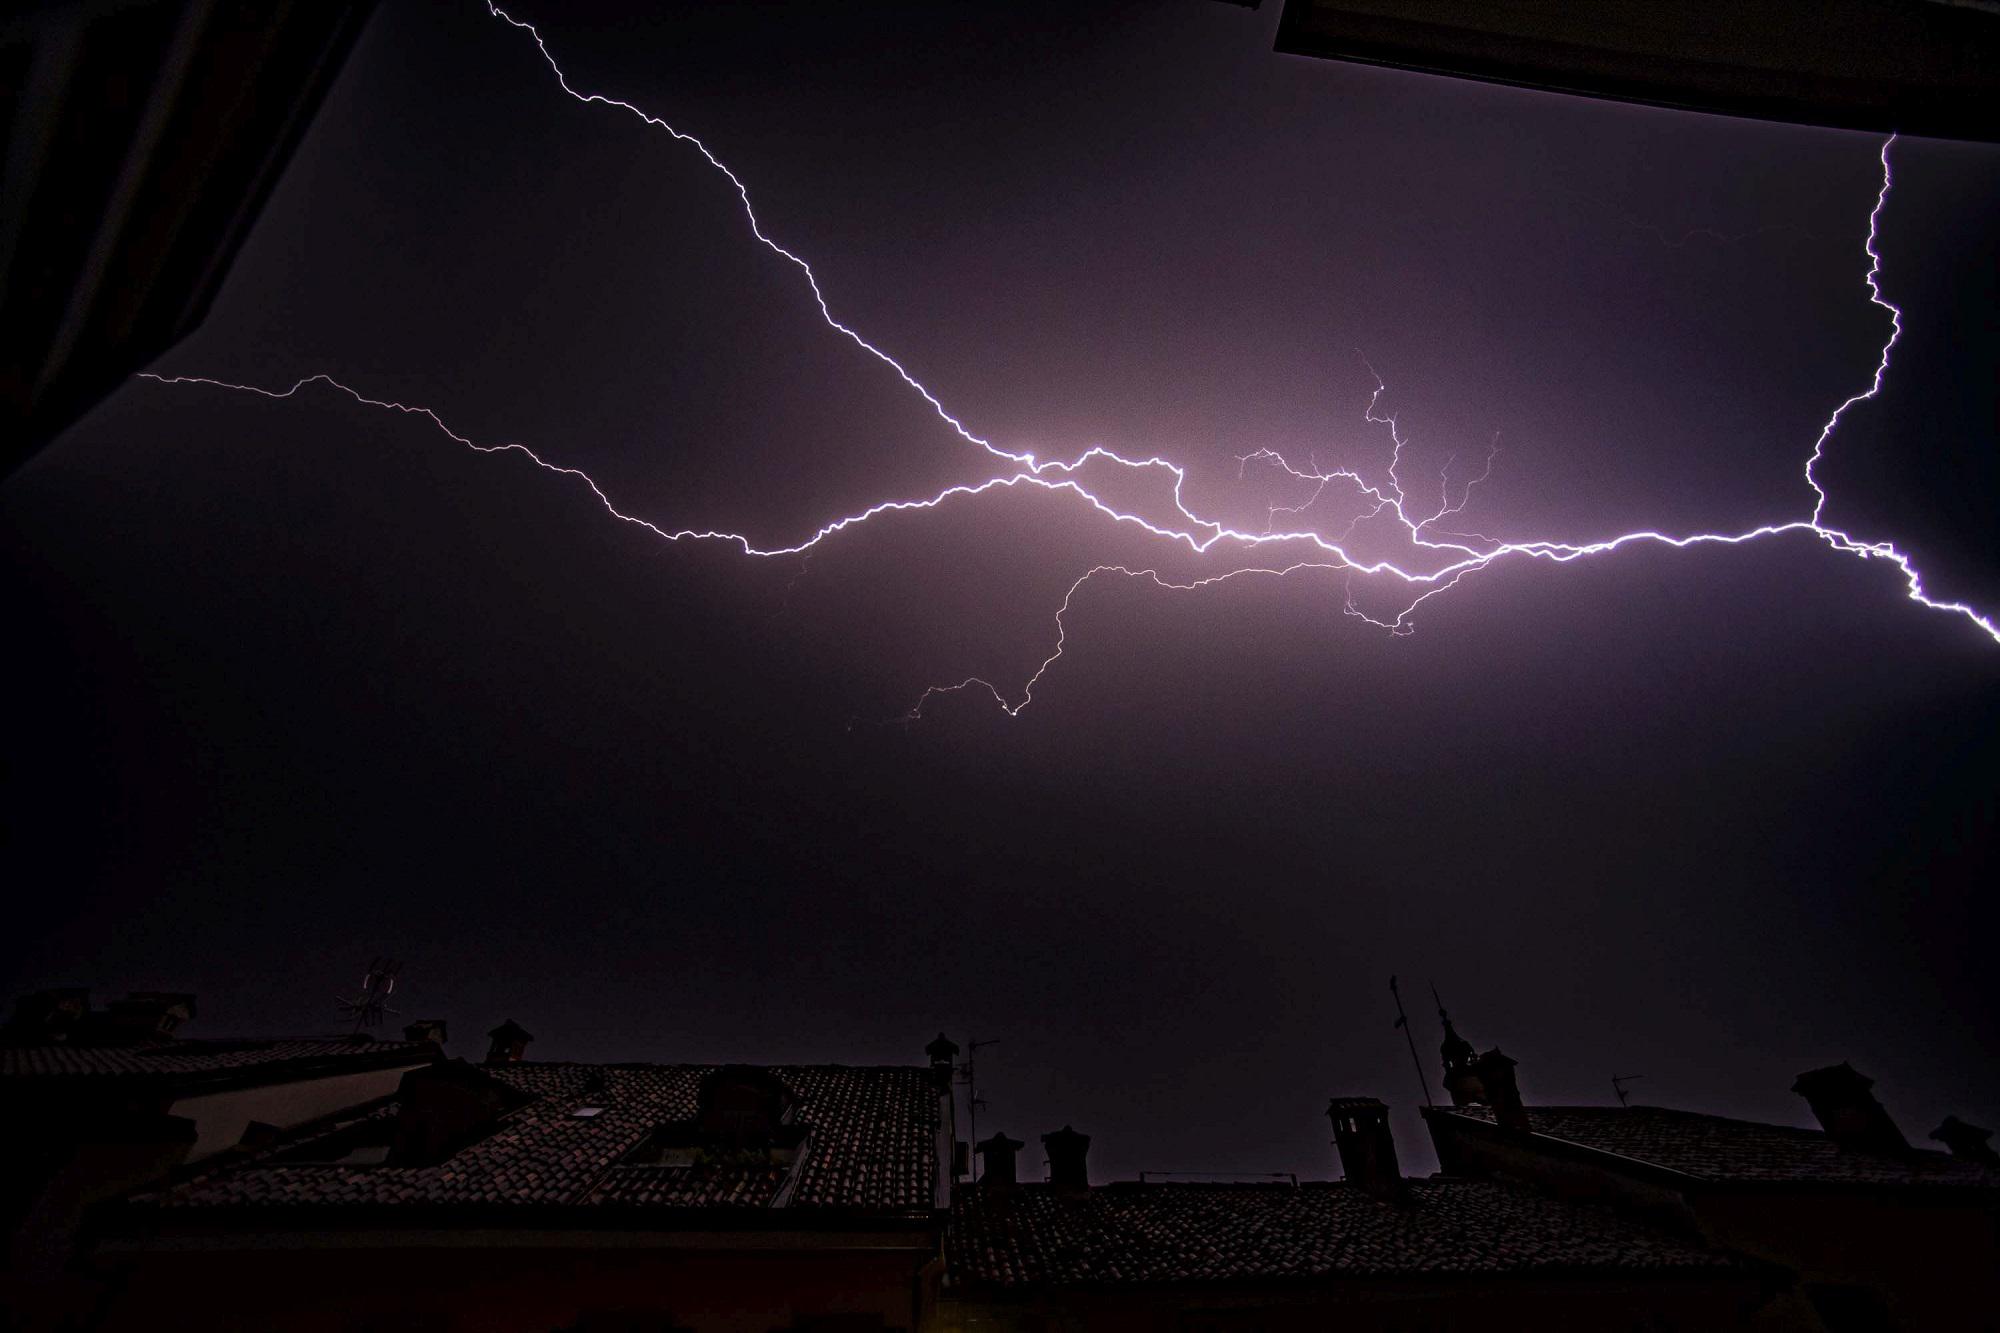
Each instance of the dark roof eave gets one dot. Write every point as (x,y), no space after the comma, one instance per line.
(1569,1147)
(988,1289)
(194,1082)
(144,1219)
(1688,1180)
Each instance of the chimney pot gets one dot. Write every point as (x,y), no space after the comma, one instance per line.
(1367,1148)
(998,1154)
(943,1054)
(1068,1153)
(510,1043)
(1967,1142)
(1495,1072)
(1849,1113)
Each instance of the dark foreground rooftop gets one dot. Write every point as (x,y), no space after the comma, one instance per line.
(865,1142)
(1035,1236)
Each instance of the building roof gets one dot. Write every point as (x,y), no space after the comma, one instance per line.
(130,184)
(1717,1148)
(181,1059)
(1913,66)
(1032,1236)
(870,1146)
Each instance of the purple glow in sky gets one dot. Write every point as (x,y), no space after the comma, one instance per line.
(1427,559)
(1198,364)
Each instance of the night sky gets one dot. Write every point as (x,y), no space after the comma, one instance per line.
(298,683)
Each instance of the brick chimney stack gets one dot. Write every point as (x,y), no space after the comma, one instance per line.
(998,1153)
(1840,1099)
(1367,1148)
(1968,1143)
(943,1054)
(426,1029)
(510,1043)
(1495,1072)
(1068,1153)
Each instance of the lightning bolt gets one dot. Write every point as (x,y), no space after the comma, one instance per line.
(1438,560)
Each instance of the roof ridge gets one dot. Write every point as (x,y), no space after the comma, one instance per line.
(707,1064)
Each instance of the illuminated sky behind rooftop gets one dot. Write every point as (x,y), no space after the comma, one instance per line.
(313,683)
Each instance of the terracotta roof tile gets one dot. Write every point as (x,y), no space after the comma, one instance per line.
(1034,1236)
(870,1147)
(168,1059)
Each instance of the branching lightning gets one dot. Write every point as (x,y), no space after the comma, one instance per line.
(1438,558)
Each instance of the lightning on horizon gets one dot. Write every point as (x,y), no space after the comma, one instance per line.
(1441,557)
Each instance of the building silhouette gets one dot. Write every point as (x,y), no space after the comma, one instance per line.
(97,1102)
(555,1197)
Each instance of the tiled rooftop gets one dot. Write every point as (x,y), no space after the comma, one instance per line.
(870,1146)
(1035,1236)
(1717,1148)
(169,1058)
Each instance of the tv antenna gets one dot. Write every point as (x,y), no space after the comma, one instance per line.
(973,1101)
(1403,1022)
(368,1007)
(1618,1082)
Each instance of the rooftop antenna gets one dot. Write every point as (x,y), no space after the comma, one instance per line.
(368,1008)
(973,1101)
(1618,1082)
(1403,1022)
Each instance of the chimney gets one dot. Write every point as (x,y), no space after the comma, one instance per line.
(1968,1143)
(950,1152)
(1367,1149)
(510,1043)
(1840,1098)
(1067,1152)
(943,1054)
(1495,1072)
(998,1155)
(426,1029)
(145,1015)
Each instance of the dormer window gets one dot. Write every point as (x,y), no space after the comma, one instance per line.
(743,1116)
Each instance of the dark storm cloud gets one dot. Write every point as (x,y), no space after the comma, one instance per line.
(303,682)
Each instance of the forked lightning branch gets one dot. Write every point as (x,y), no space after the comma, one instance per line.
(1440,555)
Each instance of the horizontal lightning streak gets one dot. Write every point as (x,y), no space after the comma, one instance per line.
(1447,561)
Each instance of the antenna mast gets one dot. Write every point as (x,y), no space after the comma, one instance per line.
(1403,1022)
(973,1101)
(368,1008)
(1618,1082)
